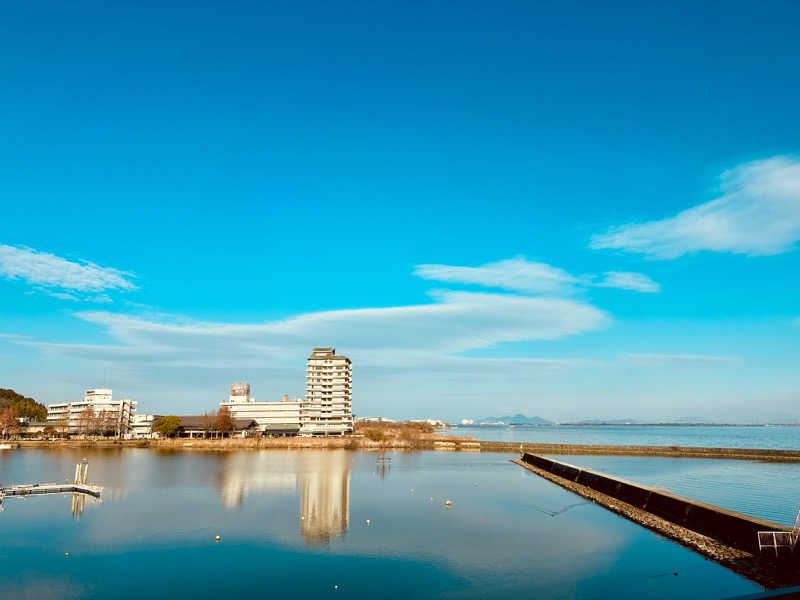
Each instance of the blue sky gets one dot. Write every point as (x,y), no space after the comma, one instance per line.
(567,210)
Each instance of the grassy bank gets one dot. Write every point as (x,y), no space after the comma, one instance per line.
(418,437)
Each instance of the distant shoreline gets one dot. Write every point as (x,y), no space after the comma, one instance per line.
(429,443)
(457,426)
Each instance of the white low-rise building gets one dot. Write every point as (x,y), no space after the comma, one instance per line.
(272,418)
(142,426)
(374,420)
(97,412)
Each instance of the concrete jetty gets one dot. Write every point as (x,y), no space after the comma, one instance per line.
(726,536)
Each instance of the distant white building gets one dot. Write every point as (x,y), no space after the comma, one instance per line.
(329,394)
(467,421)
(374,420)
(100,408)
(142,426)
(435,422)
(272,418)
(326,410)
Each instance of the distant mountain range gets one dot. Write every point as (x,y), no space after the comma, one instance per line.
(518,418)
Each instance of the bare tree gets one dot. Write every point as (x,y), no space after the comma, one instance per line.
(85,420)
(9,421)
(224,423)
(96,423)
(105,422)
(209,422)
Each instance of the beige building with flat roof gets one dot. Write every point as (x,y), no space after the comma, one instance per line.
(329,394)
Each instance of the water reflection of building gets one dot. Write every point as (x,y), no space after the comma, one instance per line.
(325,496)
(242,473)
(321,478)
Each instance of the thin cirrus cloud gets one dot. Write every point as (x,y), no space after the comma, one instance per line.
(425,335)
(521,275)
(756,214)
(628,280)
(517,274)
(654,357)
(62,278)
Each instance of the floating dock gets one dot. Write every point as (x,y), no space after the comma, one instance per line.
(78,486)
(33,489)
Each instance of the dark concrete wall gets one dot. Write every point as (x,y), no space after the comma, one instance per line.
(728,526)
(771,454)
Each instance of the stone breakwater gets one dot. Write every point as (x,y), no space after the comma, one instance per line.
(739,556)
(769,454)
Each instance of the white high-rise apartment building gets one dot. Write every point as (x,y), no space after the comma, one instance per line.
(329,394)
(70,417)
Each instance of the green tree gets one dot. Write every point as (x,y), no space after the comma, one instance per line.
(167,425)
(26,407)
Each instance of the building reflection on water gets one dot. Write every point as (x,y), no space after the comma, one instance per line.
(325,498)
(321,478)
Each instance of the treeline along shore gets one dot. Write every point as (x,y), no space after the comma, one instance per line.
(420,442)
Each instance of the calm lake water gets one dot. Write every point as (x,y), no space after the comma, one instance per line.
(294,524)
(786,437)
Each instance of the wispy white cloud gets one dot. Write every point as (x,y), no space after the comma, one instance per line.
(59,277)
(521,275)
(429,335)
(656,358)
(757,213)
(517,274)
(59,295)
(628,280)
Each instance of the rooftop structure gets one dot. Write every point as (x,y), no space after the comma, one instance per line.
(240,392)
